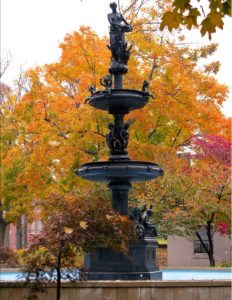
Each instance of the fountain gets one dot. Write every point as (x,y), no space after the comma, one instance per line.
(120,171)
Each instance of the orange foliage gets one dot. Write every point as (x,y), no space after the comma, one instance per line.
(56,131)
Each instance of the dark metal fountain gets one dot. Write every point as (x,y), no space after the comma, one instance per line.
(119,171)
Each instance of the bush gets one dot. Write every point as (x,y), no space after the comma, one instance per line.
(8,257)
(22,256)
(225,264)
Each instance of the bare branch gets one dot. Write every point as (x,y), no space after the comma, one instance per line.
(4,63)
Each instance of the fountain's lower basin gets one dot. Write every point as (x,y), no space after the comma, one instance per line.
(125,170)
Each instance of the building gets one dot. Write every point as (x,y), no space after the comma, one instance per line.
(17,237)
(184,252)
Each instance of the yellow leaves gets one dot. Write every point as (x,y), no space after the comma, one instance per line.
(109,217)
(191,19)
(172,20)
(123,218)
(113,218)
(83,224)
(212,67)
(209,24)
(183,13)
(68,230)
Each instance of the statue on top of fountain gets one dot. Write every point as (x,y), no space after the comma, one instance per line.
(118,46)
(141,217)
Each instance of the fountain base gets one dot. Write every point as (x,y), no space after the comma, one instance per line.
(157,275)
(139,264)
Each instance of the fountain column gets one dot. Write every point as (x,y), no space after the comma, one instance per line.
(120,192)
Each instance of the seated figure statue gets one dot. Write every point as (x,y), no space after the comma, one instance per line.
(144,228)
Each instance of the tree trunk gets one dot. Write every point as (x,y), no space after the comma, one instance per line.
(19,234)
(24,231)
(3,225)
(58,287)
(7,236)
(211,248)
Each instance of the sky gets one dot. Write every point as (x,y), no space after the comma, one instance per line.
(32,30)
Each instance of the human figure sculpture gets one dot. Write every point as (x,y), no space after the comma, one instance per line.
(117,137)
(118,46)
(110,137)
(106,81)
(144,228)
(145,88)
(145,222)
(125,134)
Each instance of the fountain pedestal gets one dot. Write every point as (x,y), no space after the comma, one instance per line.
(138,264)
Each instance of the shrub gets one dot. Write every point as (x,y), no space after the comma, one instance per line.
(8,257)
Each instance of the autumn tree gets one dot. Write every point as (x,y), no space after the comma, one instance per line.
(12,158)
(57,131)
(195,193)
(14,195)
(212,172)
(75,224)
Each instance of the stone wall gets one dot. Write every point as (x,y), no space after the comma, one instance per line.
(125,290)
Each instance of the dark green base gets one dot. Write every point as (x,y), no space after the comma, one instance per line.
(139,264)
(157,275)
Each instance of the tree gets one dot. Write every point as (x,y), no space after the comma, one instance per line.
(213,180)
(190,198)
(55,131)
(75,224)
(183,12)
(14,196)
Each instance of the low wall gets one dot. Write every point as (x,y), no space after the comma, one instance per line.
(125,290)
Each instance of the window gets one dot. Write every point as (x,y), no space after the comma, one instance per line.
(39,226)
(36,227)
(197,245)
(33,228)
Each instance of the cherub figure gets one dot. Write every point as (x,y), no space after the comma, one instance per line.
(106,81)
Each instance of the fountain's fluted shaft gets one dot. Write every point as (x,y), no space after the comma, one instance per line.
(120,192)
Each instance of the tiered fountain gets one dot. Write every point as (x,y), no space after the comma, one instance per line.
(119,171)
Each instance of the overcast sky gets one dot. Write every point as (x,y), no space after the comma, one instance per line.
(32,30)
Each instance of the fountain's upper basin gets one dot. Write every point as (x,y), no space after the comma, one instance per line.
(120,101)
(124,170)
